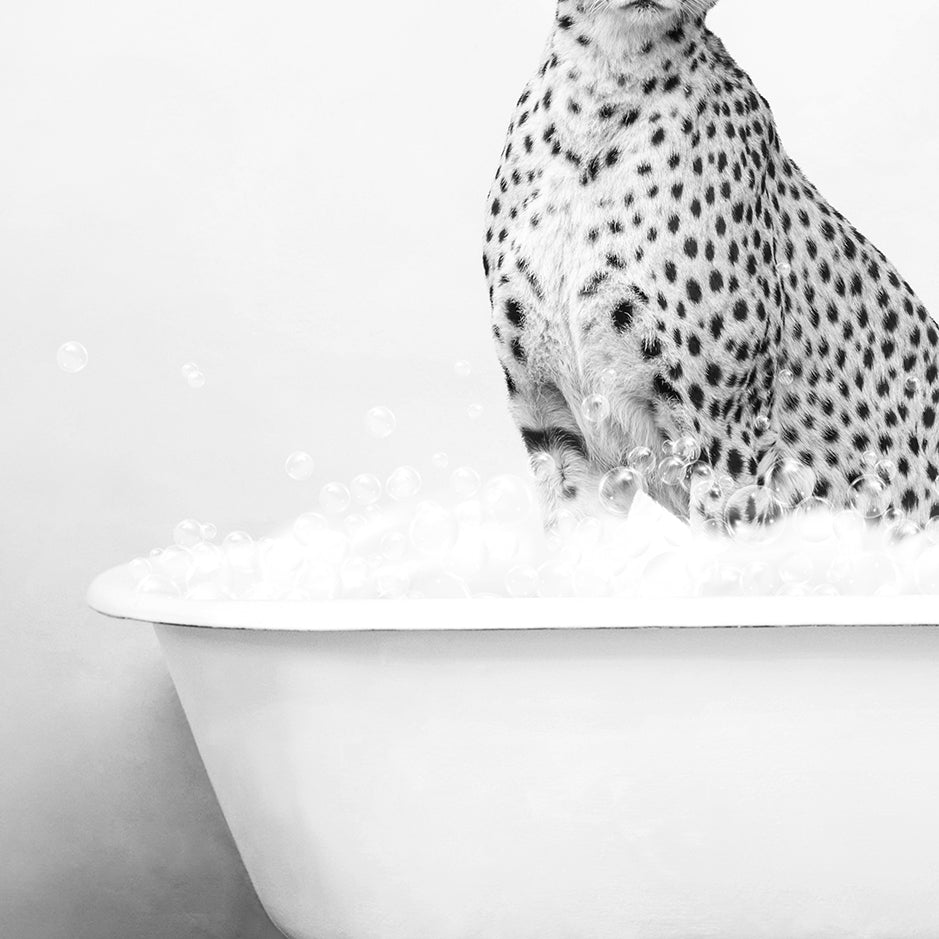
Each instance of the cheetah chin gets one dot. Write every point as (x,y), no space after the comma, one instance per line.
(651,242)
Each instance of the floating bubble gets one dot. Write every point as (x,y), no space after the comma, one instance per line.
(596,408)
(474,412)
(903,529)
(869,459)
(672,470)
(187,533)
(870,497)
(791,482)
(299,466)
(434,529)
(618,489)
(698,476)
(912,385)
(440,460)
(71,357)
(762,423)
(463,368)
(642,460)
(786,377)
(506,500)
(465,482)
(335,498)
(752,514)
(887,471)
(784,268)
(366,489)
(688,449)
(380,422)
(195,380)
(209,532)
(522,581)
(404,483)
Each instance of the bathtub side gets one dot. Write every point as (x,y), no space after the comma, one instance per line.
(544,784)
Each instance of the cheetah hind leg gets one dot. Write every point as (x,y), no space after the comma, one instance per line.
(567,479)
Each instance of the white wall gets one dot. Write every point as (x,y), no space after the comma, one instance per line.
(291,195)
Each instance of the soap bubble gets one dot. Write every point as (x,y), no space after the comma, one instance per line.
(784,268)
(392,583)
(404,483)
(465,482)
(394,545)
(139,568)
(440,460)
(366,489)
(195,380)
(442,586)
(187,533)
(869,458)
(786,377)
(870,497)
(158,585)
(596,408)
(335,498)
(642,460)
(474,412)
(380,422)
(299,466)
(175,562)
(355,524)
(206,590)
(306,526)
(887,470)
(814,519)
(926,571)
(762,423)
(912,385)
(506,500)
(618,489)
(209,532)
(791,482)
(752,514)
(688,449)
(555,579)
(433,530)
(698,476)
(240,550)
(72,357)
(672,470)
(463,368)
(522,581)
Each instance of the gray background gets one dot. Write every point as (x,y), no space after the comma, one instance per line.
(291,195)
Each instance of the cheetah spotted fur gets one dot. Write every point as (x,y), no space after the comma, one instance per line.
(649,239)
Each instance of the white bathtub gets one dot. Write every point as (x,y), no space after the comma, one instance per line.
(553,770)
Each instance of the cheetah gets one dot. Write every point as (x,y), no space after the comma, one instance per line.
(660,269)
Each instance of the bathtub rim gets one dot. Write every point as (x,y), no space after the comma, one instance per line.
(112,594)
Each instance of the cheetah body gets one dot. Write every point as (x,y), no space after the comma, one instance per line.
(650,242)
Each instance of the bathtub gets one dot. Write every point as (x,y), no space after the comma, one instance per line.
(569,769)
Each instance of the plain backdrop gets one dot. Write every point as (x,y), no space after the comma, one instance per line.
(291,195)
